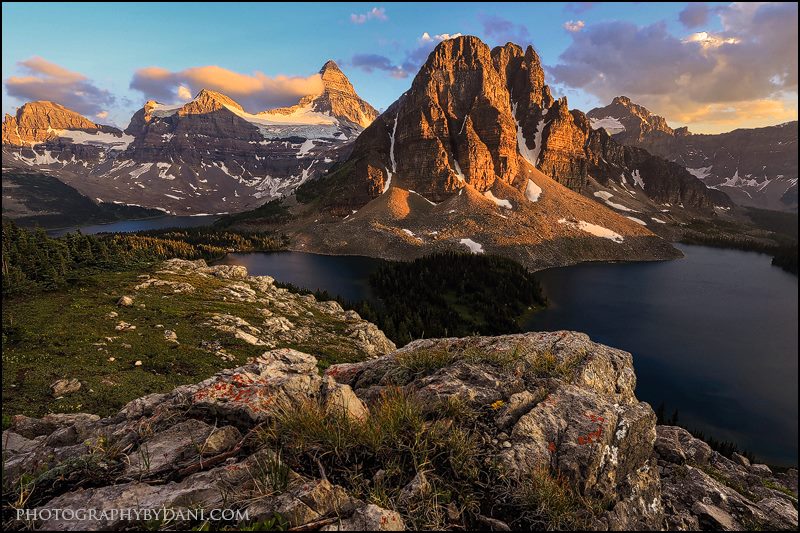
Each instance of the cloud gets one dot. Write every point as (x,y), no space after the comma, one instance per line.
(753,59)
(501,31)
(376,13)
(694,15)
(44,80)
(414,58)
(439,37)
(372,62)
(574,26)
(255,92)
(579,7)
(184,93)
(101,114)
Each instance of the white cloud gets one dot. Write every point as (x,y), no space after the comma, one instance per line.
(574,26)
(439,37)
(184,93)
(376,13)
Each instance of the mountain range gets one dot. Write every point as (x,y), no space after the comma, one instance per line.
(755,167)
(461,161)
(477,155)
(206,156)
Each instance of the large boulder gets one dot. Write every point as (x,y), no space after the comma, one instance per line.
(564,403)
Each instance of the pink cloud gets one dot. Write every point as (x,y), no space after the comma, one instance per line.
(255,92)
(44,80)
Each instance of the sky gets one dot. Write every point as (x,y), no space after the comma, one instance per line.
(711,66)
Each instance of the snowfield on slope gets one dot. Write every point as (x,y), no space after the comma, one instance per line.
(610,124)
(593,229)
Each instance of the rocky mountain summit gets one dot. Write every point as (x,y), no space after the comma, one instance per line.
(530,431)
(449,166)
(338,99)
(472,112)
(38,122)
(205,156)
(755,167)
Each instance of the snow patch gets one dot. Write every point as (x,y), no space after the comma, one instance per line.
(700,173)
(418,194)
(458,172)
(637,220)
(532,191)
(498,201)
(388,180)
(606,197)
(637,179)
(593,229)
(141,170)
(305,148)
(610,124)
(531,156)
(391,147)
(473,246)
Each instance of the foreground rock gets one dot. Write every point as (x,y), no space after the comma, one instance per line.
(554,409)
(701,489)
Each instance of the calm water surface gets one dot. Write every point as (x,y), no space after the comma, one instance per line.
(713,335)
(343,275)
(128,226)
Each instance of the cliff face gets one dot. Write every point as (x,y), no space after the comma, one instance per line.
(452,127)
(537,430)
(468,116)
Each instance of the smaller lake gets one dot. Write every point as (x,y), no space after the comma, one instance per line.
(342,275)
(130,226)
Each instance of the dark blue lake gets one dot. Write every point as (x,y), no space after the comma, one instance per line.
(713,335)
(129,226)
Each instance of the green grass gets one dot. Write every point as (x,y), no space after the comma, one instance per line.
(62,334)
(780,488)
(402,437)
(546,501)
